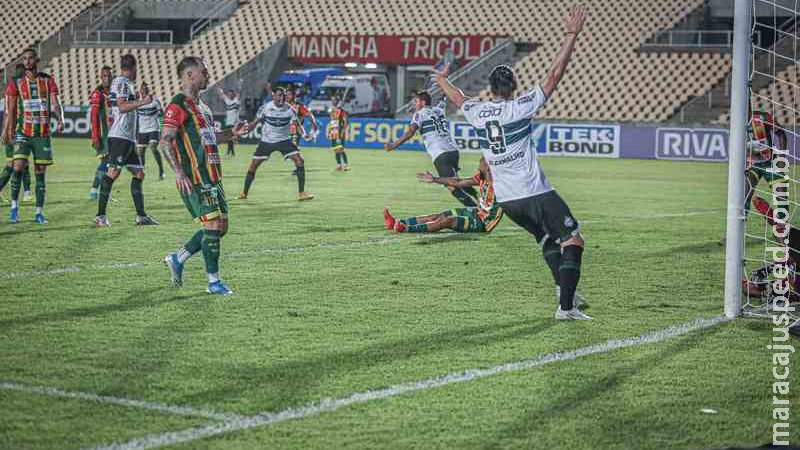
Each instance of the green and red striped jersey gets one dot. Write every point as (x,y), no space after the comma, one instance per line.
(196,142)
(31,93)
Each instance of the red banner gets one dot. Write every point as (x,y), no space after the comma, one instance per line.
(386,49)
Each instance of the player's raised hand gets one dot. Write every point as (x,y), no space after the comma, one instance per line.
(439,76)
(575,19)
(425,177)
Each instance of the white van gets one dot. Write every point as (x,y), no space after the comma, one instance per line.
(360,95)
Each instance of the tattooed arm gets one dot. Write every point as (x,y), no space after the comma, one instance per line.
(167,148)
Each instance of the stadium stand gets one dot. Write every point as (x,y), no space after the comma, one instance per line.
(608,80)
(23,23)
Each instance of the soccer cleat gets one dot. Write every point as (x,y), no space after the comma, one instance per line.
(243,196)
(93,194)
(161,176)
(26,197)
(14,216)
(304,196)
(40,219)
(577,299)
(339,167)
(388,219)
(346,168)
(572,314)
(175,267)
(218,288)
(145,220)
(399,226)
(102,221)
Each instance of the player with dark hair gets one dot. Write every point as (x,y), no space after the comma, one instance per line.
(523,191)
(481,219)
(8,170)
(275,118)
(297,127)
(432,125)
(148,132)
(122,151)
(101,120)
(190,146)
(30,99)
(337,133)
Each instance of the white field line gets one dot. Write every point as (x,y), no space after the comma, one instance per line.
(332,404)
(119,401)
(301,249)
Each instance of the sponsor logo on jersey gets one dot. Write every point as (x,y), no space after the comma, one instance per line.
(693,144)
(568,221)
(490,112)
(583,140)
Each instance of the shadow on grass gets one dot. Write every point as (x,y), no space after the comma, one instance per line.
(446,239)
(575,401)
(285,383)
(136,300)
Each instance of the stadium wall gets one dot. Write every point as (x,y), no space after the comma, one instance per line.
(571,140)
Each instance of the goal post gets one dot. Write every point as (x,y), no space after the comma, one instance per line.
(740,89)
(762,250)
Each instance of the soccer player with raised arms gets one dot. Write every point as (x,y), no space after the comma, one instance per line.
(432,125)
(522,189)
(189,144)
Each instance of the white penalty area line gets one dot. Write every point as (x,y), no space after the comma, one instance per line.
(332,404)
(119,401)
(322,245)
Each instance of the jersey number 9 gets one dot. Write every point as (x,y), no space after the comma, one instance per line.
(495,136)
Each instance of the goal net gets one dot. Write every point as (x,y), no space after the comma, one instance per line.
(772,192)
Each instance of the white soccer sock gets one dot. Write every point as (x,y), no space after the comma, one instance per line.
(14,204)
(39,210)
(213,277)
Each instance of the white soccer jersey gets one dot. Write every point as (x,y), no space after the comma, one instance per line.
(124,126)
(275,122)
(504,132)
(148,116)
(435,130)
(231,111)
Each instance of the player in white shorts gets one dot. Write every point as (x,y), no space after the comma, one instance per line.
(521,188)
(432,125)
(149,135)
(275,118)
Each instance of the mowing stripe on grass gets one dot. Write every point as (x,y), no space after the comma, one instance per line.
(120,401)
(323,245)
(332,404)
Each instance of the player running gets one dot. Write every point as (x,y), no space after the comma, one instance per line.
(148,135)
(480,219)
(337,133)
(432,125)
(189,144)
(275,118)
(8,170)
(232,107)
(122,151)
(766,135)
(30,99)
(101,120)
(523,191)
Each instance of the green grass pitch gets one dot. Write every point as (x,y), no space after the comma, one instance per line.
(328,303)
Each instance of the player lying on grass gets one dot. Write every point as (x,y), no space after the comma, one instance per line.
(761,281)
(480,219)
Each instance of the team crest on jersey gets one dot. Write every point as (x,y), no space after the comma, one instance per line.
(568,221)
